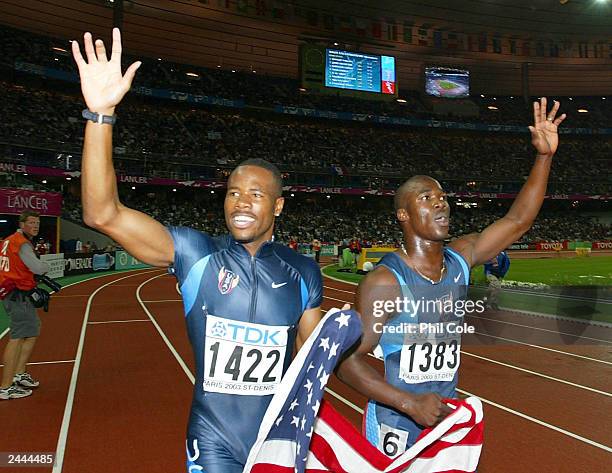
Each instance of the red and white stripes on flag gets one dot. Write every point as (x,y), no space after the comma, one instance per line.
(334,444)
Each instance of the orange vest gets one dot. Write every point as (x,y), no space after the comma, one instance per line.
(11,266)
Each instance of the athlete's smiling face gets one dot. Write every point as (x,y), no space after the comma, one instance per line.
(251,204)
(425,210)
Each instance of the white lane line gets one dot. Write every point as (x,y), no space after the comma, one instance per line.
(49,362)
(163,300)
(540,422)
(553,317)
(60,450)
(118,321)
(536,373)
(529,418)
(512,340)
(180,360)
(345,401)
(68,285)
(540,329)
(339,290)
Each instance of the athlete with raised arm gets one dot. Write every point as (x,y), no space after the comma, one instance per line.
(248,301)
(430,279)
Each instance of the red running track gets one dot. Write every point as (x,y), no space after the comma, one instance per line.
(116,387)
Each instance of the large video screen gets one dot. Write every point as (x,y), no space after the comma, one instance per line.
(360,71)
(449,83)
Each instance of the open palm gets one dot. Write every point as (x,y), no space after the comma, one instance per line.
(102,83)
(544,132)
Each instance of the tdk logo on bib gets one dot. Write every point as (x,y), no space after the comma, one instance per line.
(253,335)
(243,358)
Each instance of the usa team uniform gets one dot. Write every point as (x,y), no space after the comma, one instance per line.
(418,360)
(242,314)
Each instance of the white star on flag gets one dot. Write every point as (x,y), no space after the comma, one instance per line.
(309,398)
(342,320)
(310,366)
(333,351)
(295,420)
(294,404)
(308,385)
(324,344)
(279,420)
(315,408)
(303,422)
(323,379)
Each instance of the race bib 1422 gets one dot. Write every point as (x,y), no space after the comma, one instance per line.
(243,358)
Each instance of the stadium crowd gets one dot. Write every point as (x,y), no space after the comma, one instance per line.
(164,139)
(337,222)
(20,47)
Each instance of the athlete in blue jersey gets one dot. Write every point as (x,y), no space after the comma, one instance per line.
(414,301)
(249,302)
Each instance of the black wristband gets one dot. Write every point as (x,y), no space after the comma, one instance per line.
(97,118)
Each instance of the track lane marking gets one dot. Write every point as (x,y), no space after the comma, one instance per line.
(597,360)
(60,449)
(484,318)
(515,341)
(118,321)
(68,285)
(352,405)
(529,418)
(48,362)
(163,300)
(541,329)
(178,357)
(540,422)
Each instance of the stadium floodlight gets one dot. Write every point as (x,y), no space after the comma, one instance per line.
(292,195)
(191,74)
(133,188)
(492,107)
(482,95)
(401,100)
(583,110)
(44,181)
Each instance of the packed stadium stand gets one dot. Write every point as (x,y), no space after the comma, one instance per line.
(180,140)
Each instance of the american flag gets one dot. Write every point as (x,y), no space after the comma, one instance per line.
(301,433)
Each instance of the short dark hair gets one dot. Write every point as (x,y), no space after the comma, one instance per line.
(268,166)
(407,186)
(27,214)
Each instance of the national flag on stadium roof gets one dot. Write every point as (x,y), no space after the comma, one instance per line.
(301,433)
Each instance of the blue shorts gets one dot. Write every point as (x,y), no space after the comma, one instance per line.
(205,454)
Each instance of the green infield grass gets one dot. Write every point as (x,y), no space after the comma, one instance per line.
(593,273)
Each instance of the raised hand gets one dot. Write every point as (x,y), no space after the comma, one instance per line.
(102,83)
(544,135)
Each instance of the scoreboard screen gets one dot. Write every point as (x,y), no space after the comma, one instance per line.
(448,83)
(360,72)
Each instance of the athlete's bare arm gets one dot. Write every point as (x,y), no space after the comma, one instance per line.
(480,247)
(103,87)
(357,370)
(309,320)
